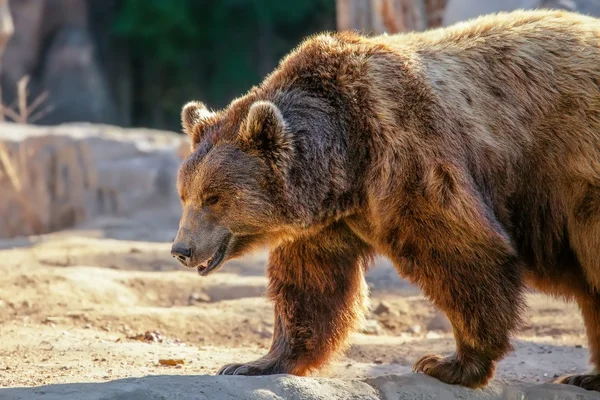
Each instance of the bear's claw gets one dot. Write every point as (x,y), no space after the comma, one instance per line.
(585,381)
(259,367)
(452,371)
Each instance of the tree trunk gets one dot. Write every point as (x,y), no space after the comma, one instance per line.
(435,12)
(382,16)
(6,31)
(355,15)
(6,25)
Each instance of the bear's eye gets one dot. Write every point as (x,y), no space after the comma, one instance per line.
(211,201)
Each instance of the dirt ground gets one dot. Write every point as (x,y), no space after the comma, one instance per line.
(106,301)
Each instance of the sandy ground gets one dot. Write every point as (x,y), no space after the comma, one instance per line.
(74,305)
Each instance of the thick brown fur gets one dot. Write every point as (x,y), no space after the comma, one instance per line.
(469,156)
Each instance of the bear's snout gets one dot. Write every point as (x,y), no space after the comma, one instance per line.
(182,253)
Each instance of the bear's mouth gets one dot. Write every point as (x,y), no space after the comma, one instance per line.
(216,260)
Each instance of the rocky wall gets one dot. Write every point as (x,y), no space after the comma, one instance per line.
(63,175)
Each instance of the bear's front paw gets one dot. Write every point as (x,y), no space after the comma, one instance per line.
(472,374)
(586,381)
(258,367)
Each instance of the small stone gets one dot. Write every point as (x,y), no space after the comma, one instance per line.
(372,327)
(46,345)
(198,297)
(382,308)
(439,323)
(433,335)
(378,361)
(396,310)
(389,324)
(264,332)
(416,329)
(170,361)
(76,315)
(578,346)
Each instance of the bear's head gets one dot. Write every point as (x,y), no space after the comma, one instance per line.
(230,186)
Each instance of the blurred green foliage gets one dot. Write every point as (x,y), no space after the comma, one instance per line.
(214,50)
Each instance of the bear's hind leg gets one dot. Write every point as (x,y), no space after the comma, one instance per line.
(483,302)
(590,308)
(584,235)
(465,264)
(319,292)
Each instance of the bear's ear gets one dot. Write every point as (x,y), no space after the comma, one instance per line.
(265,131)
(194,119)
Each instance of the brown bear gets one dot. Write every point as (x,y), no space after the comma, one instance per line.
(469,156)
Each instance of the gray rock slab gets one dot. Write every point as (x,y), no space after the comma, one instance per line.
(276,387)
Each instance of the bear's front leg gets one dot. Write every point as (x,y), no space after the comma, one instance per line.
(319,293)
(589,303)
(275,362)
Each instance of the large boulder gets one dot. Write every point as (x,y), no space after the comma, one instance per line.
(276,387)
(69,173)
(77,88)
(53,44)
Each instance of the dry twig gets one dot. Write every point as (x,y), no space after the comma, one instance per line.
(26,113)
(14,168)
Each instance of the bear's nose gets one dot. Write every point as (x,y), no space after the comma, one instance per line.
(181,252)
